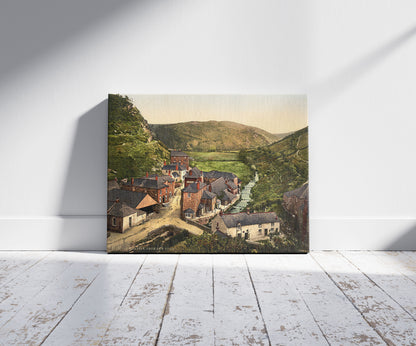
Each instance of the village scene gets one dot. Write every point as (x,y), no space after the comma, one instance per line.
(178,207)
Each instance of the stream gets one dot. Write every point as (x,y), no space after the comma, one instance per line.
(245,196)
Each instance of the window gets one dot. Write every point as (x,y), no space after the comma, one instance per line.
(130,221)
(260,230)
(189,195)
(271,229)
(113,221)
(272,224)
(260,225)
(265,232)
(160,199)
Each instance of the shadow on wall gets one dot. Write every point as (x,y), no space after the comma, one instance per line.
(31,23)
(325,91)
(83,202)
(407,242)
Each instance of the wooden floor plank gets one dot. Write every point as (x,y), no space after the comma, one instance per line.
(238,320)
(15,294)
(338,319)
(287,317)
(387,276)
(402,261)
(139,318)
(33,323)
(390,321)
(189,316)
(90,317)
(14,263)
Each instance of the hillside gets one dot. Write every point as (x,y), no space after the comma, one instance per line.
(212,136)
(282,166)
(132,150)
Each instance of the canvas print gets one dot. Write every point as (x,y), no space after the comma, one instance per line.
(207,174)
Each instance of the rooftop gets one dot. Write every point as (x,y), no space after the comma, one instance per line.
(131,198)
(177,153)
(121,209)
(245,219)
(193,188)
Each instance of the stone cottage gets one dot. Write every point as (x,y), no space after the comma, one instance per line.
(121,217)
(250,226)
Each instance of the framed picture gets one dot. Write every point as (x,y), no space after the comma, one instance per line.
(207,174)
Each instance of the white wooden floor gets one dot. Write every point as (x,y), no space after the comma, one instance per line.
(336,298)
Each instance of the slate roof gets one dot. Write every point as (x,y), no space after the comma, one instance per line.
(245,219)
(112,184)
(193,187)
(176,175)
(151,182)
(231,184)
(121,209)
(301,192)
(218,186)
(218,174)
(172,167)
(227,196)
(208,195)
(131,198)
(196,173)
(177,153)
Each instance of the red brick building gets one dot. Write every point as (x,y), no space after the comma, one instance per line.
(191,199)
(160,187)
(180,158)
(193,176)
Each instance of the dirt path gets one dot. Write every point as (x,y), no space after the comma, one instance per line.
(168,216)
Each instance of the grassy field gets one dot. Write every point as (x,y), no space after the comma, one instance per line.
(214,155)
(221,161)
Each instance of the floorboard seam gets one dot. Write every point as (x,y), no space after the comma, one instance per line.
(258,302)
(374,283)
(309,309)
(122,301)
(167,302)
(24,271)
(399,269)
(134,279)
(70,308)
(352,303)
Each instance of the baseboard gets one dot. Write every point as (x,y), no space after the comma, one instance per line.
(79,233)
(363,234)
(89,233)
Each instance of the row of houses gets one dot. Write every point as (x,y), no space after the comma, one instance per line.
(206,192)
(129,201)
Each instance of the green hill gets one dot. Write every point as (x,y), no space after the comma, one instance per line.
(212,136)
(132,150)
(282,166)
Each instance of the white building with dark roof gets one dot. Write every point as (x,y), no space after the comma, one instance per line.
(250,226)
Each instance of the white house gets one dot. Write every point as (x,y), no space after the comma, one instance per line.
(250,226)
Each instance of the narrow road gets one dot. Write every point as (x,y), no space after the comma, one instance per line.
(168,216)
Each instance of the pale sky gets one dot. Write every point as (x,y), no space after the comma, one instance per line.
(273,113)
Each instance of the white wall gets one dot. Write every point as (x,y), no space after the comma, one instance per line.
(60,59)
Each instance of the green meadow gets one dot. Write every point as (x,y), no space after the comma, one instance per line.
(227,161)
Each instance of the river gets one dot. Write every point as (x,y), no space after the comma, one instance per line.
(245,196)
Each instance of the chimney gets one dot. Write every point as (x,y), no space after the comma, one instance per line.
(210,188)
(190,172)
(132,181)
(197,185)
(169,172)
(177,167)
(147,174)
(156,177)
(164,163)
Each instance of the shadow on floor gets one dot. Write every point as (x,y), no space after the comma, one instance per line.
(83,202)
